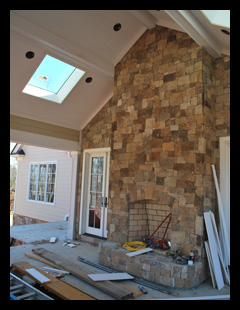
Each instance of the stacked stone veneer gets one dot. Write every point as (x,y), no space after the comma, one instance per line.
(153,267)
(170,104)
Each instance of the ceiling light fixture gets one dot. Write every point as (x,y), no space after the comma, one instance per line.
(117,27)
(29,55)
(88,79)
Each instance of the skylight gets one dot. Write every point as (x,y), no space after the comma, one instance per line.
(218,17)
(53,80)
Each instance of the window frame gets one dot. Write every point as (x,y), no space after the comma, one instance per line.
(38,163)
(63,92)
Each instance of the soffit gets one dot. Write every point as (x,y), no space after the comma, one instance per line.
(84,39)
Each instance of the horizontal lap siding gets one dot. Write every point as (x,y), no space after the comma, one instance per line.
(41,211)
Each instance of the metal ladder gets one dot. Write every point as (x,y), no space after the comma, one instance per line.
(21,290)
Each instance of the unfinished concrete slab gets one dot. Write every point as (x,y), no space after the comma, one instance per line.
(90,251)
(39,232)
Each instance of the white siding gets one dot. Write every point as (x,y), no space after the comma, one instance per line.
(37,210)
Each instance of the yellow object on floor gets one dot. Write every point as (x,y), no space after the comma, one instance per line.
(134,245)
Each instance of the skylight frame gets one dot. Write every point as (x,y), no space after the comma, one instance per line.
(219,18)
(63,92)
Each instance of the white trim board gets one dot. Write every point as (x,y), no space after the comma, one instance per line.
(214,252)
(210,263)
(110,276)
(37,275)
(220,254)
(139,252)
(223,229)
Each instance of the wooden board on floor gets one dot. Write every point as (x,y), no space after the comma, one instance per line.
(81,271)
(40,259)
(136,293)
(60,288)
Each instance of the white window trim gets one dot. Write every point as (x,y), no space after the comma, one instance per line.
(29,177)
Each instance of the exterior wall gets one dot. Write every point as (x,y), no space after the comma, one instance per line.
(170,106)
(37,210)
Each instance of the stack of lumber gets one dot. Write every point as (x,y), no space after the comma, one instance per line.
(59,288)
(217,246)
(80,270)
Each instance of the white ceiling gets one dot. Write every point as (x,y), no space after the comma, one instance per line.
(86,39)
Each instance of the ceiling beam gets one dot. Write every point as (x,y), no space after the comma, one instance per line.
(196,30)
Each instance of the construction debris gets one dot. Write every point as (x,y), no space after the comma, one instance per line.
(107,286)
(138,280)
(159,244)
(53,239)
(217,246)
(219,272)
(71,244)
(58,287)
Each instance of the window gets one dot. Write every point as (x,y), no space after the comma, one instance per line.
(53,80)
(42,181)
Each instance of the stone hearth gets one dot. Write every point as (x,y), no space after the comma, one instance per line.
(153,267)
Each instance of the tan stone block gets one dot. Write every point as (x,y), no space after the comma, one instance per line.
(178,237)
(117,146)
(168,146)
(202,145)
(150,123)
(149,192)
(170,181)
(199,225)
(183,80)
(131,147)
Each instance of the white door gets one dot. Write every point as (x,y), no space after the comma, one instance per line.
(96,201)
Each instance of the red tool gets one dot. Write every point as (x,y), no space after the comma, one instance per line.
(162,243)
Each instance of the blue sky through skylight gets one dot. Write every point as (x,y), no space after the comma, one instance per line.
(51,74)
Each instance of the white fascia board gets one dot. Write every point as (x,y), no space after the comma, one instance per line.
(196,30)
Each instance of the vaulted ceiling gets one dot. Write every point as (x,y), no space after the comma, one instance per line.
(86,39)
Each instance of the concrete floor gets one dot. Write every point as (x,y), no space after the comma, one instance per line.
(36,236)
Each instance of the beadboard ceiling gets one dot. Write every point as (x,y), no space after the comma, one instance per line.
(86,40)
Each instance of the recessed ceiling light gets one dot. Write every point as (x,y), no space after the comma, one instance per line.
(29,55)
(225,32)
(117,27)
(88,79)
